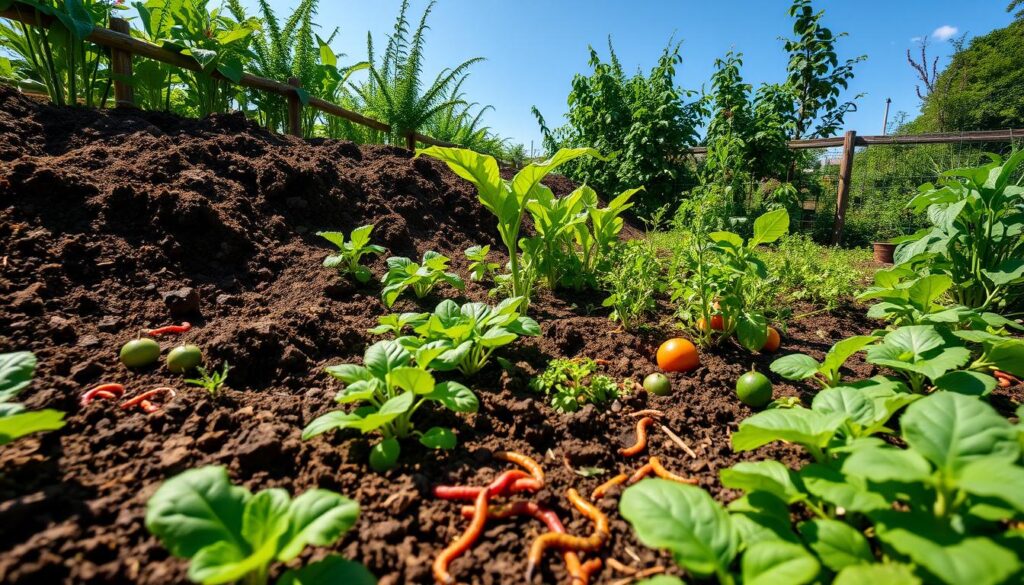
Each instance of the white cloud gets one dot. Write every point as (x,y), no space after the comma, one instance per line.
(915,39)
(944,32)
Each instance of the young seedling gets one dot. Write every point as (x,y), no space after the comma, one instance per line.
(799,366)
(211,382)
(232,535)
(572,383)
(404,274)
(350,252)
(479,267)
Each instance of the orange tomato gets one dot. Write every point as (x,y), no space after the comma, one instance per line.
(678,355)
(773,342)
(717,323)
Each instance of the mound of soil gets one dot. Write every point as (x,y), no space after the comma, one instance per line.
(112,222)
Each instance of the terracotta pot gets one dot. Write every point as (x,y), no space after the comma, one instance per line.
(884,251)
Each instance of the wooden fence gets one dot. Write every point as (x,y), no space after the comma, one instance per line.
(851,140)
(123,47)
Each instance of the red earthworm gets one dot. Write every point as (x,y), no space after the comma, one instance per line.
(602,362)
(511,481)
(641,438)
(589,568)
(169,329)
(600,490)
(104,391)
(523,461)
(564,541)
(144,400)
(640,474)
(1005,380)
(580,573)
(647,412)
(463,542)
(663,473)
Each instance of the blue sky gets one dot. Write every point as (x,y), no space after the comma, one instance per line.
(533,47)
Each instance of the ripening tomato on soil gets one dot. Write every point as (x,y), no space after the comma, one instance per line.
(678,355)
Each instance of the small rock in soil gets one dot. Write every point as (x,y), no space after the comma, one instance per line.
(182,302)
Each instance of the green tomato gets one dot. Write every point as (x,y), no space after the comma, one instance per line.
(658,383)
(184,358)
(139,353)
(384,455)
(754,389)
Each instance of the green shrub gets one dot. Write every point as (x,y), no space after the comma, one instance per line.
(572,383)
(632,281)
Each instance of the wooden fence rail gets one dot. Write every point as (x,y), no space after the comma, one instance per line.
(850,141)
(123,47)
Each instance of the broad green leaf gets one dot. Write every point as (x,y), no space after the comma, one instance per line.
(771,563)
(332,570)
(1009,271)
(850,403)
(414,380)
(964,382)
(796,366)
(846,492)
(951,430)
(683,519)
(359,391)
(349,373)
(994,478)
(884,464)
(946,556)
(479,169)
(843,350)
(926,290)
(224,562)
(1007,355)
(752,330)
(878,574)
(384,356)
(524,326)
(726,237)
(794,425)
(455,397)
(15,426)
(770,476)
(526,179)
(197,509)
(384,455)
(16,371)
(770,227)
(361,236)
(836,543)
(439,438)
(328,422)
(264,519)
(497,337)
(318,517)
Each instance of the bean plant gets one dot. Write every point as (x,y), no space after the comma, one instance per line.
(977,217)
(939,510)
(231,535)
(16,372)
(404,274)
(390,387)
(350,252)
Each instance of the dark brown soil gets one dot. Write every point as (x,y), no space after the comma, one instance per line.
(103,213)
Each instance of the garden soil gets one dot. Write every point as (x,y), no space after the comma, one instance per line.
(113,222)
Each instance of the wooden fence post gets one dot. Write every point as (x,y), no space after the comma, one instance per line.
(843,195)
(121,67)
(410,141)
(294,109)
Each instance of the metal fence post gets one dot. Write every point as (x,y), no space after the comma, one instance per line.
(843,196)
(121,67)
(294,109)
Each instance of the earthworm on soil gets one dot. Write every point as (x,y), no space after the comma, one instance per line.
(144,401)
(1005,380)
(525,462)
(169,329)
(580,573)
(647,412)
(463,542)
(663,473)
(512,481)
(600,490)
(563,541)
(641,438)
(640,474)
(104,391)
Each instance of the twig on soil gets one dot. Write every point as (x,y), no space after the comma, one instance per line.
(633,555)
(678,441)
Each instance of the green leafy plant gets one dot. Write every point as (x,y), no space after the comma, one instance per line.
(479,267)
(935,511)
(350,252)
(975,238)
(633,280)
(403,274)
(807,271)
(211,382)
(467,335)
(16,372)
(507,200)
(799,366)
(572,383)
(391,386)
(722,271)
(232,535)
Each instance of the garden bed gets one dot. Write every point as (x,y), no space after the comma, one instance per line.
(104,215)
